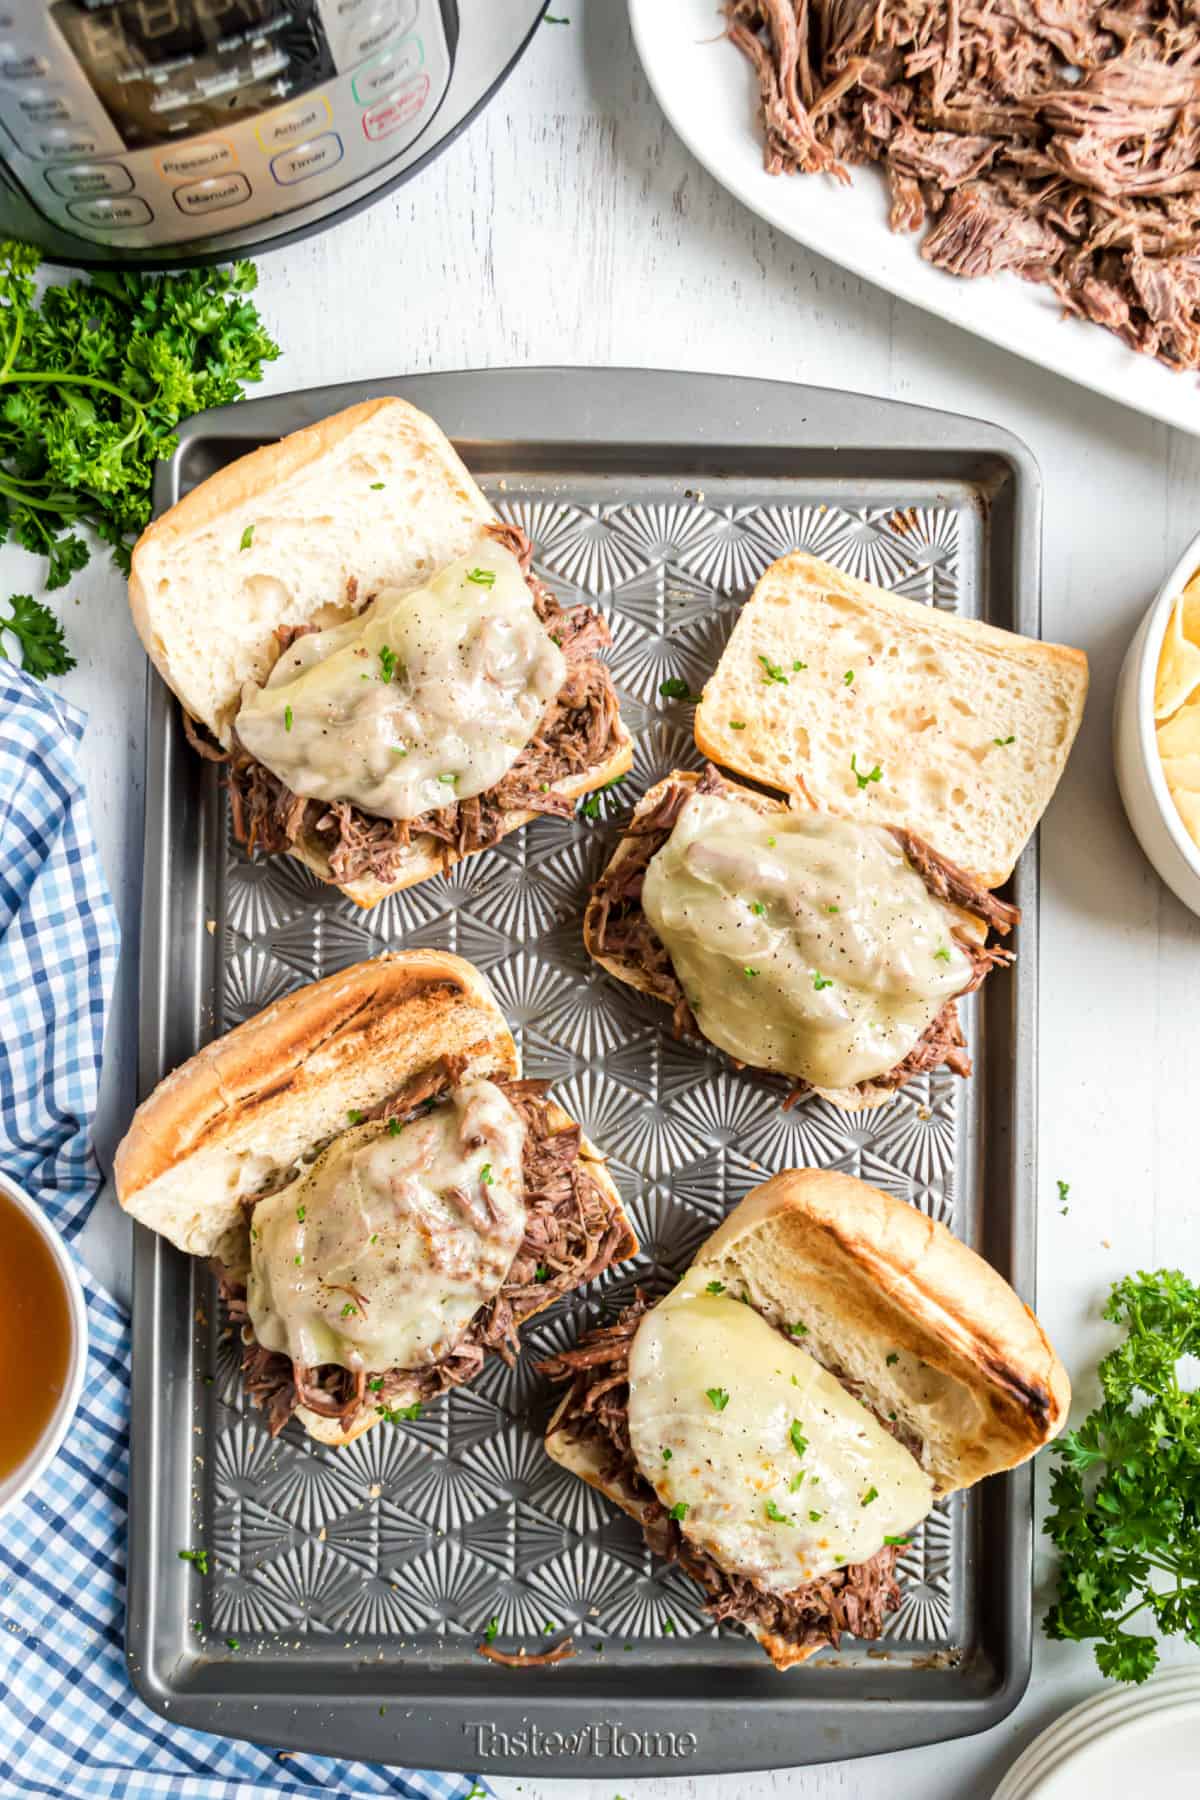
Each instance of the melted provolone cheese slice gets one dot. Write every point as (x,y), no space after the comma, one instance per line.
(429,696)
(380,1253)
(804,943)
(763,1457)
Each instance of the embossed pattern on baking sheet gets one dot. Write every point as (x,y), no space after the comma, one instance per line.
(419,1533)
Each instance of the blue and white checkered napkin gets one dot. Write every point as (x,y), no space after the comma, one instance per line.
(71,1726)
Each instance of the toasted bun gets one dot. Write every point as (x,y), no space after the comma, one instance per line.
(328,1431)
(251,1103)
(374,496)
(867,1094)
(206,609)
(974,1377)
(931,695)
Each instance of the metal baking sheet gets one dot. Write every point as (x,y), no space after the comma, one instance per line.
(356,1583)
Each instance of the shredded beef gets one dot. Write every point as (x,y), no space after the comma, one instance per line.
(572,1233)
(617,927)
(578,731)
(855,1599)
(1056,138)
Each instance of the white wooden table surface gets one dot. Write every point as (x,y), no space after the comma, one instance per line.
(568,225)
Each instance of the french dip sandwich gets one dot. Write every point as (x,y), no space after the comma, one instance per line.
(828,939)
(384,1199)
(351,629)
(779,1423)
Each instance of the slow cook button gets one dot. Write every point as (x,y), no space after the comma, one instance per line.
(296,125)
(111,214)
(213,195)
(385,73)
(397,110)
(307,160)
(78,181)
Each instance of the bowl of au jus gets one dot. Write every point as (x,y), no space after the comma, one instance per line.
(1156,730)
(43,1343)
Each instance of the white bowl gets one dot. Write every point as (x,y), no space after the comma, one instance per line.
(14,1487)
(1156,823)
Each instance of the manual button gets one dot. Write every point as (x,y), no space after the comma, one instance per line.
(132,210)
(80,180)
(307,160)
(213,195)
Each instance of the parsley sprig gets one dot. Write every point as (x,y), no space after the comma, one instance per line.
(43,647)
(1126,1494)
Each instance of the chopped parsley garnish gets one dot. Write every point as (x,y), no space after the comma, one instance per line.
(719,1397)
(821,981)
(247,538)
(757,908)
(798,1330)
(541,1273)
(493,1627)
(1064,1188)
(1004,742)
(897,1540)
(737,724)
(549,1628)
(799,1441)
(482,577)
(772,671)
(448,779)
(234,1643)
(943,955)
(287,718)
(198,1559)
(375,1384)
(815,1517)
(770,843)
(749,973)
(893,1356)
(667,1453)
(669,1627)
(301,1214)
(773,1513)
(387,663)
(798,665)
(297,1260)
(715,1287)
(354,1116)
(348,1310)
(374,1237)
(848,678)
(375,486)
(399,750)
(865,780)
(871,1494)
(676,688)
(796,1481)
(833,909)
(394,1128)
(392,1415)
(679,1510)
(486,1176)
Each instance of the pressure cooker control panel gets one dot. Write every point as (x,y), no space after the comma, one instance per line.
(144,122)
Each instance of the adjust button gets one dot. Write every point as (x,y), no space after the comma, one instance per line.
(307,160)
(213,195)
(77,181)
(398,109)
(109,214)
(385,72)
(296,125)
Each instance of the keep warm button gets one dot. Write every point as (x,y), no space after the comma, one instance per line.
(307,160)
(398,109)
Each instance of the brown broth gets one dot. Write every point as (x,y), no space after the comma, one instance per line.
(35,1336)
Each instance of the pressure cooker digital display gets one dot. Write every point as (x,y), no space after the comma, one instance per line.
(167,69)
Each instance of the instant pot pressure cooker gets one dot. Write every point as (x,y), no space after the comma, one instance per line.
(177,131)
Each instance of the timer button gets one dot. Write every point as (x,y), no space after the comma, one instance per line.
(387,71)
(398,109)
(111,214)
(77,181)
(213,195)
(307,160)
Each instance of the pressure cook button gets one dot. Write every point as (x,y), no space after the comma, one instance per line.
(307,160)
(213,195)
(202,158)
(111,214)
(391,67)
(295,126)
(77,181)
(398,109)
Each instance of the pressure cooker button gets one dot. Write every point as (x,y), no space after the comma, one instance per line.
(111,214)
(307,160)
(202,158)
(16,65)
(392,66)
(381,24)
(77,181)
(213,195)
(398,109)
(295,126)
(44,107)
